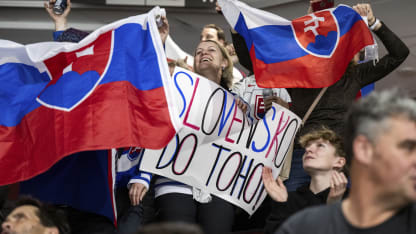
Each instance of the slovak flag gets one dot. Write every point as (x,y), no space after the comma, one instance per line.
(312,51)
(113,89)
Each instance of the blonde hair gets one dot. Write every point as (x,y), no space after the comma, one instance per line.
(227,72)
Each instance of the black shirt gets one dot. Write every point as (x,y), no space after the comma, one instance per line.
(297,200)
(331,220)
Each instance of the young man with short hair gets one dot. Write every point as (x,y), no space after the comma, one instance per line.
(381,138)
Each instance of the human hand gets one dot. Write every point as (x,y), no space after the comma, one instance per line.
(59,20)
(310,10)
(364,9)
(218,8)
(136,193)
(338,187)
(275,188)
(241,104)
(269,101)
(164,29)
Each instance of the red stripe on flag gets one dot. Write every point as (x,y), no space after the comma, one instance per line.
(115,115)
(310,71)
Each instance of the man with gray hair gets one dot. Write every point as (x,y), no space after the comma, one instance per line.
(381,137)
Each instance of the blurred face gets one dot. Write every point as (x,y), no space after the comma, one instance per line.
(209,34)
(394,161)
(320,155)
(209,61)
(231,51)
(23,220)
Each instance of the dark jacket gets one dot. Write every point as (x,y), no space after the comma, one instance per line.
(301,198)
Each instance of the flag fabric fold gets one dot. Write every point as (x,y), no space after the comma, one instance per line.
(84,181)
(112,89)
(312,51)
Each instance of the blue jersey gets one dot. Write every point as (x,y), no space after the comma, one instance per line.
(128,171)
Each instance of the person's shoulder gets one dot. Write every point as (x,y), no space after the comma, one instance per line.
(312,218)
(413,209)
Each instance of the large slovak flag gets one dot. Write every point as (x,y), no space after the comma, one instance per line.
(312,51)
(112,89)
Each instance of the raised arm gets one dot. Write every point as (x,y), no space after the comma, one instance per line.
(61,23)
(397,50)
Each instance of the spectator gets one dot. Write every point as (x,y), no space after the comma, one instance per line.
(381,138)
(131,183)
(325,162)
(334,104)
(213,32)
(180,202)
(31,216)
(258,104)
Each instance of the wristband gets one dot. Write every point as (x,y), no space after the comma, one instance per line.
(375,24)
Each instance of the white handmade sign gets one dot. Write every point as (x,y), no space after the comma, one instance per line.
(218,150)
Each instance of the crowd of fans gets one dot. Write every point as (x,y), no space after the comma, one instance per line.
(359,173)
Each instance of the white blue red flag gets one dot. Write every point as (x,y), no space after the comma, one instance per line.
(312,51)
(112,89)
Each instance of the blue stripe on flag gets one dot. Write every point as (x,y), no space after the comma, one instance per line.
(141,58)
(20,84)
(345,22)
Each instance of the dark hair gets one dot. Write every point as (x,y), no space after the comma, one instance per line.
(220,32)
(49,215)
(171,228)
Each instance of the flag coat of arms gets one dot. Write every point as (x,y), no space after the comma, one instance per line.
(312,51)
(112,89)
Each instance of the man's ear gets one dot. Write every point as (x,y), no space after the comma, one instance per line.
(363,150)
(52,230)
